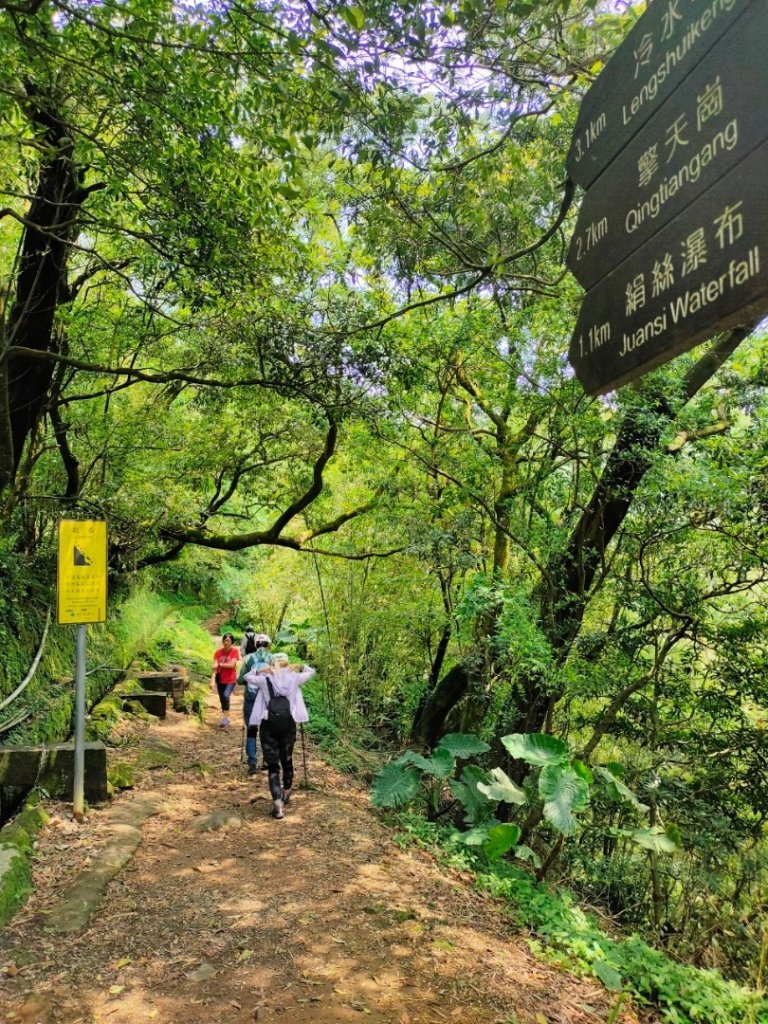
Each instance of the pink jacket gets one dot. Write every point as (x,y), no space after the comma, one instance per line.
(285,683)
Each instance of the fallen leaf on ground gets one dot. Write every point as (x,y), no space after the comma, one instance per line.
(204,972)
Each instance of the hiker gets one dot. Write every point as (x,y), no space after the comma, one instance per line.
(257,657)
(279,705)
(224,674)
(248,646)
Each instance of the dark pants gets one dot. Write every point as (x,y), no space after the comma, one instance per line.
(249,699)
(278,753)
(225,692)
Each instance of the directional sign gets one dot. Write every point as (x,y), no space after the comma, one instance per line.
(82,571)
(708,126)
(705,272)
(666,43)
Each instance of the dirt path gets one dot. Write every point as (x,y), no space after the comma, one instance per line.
(317,918)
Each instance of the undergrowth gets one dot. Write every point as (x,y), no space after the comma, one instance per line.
(157,628)
(564,933)
(350,748)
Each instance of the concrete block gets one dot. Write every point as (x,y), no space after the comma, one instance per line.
(53,768)
(154,703)
(157,681)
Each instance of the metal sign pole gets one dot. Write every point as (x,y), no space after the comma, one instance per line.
(81,584)
(78,803)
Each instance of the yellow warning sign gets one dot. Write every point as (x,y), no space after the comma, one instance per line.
(82,571)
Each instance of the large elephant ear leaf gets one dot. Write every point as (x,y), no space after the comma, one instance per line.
(660,840)
(494,840)
(465,789)
(441,764)
(395,785)
(618,791)
(473,836)
(537,748)
(463,744)
(502,788)
(563,792)
(411,757)
(501,838)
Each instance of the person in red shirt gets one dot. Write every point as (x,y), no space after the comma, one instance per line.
(224,674)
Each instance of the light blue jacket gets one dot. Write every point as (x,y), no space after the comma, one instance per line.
(256,659)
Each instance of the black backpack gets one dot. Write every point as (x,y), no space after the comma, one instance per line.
(278,713)
(250,643)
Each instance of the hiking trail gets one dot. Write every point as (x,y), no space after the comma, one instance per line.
(218,913)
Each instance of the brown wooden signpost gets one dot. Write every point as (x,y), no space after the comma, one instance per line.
(716,118)
(704,272)
(666,43)
(672,238)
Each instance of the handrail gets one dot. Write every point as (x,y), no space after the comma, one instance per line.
(33,668)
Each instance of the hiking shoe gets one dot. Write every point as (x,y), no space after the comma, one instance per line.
(278,810)
(287,796)
(224,723)
(253,769)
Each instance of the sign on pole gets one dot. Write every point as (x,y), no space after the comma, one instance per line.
(711,123)
(665,44)
(705,272)
(81,598)
(82,571)
(672,236)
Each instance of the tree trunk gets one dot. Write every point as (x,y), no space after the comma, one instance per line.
(431,717)
(41,283)
(564,594)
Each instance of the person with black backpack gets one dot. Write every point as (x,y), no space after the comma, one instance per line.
(248,646)
(255,652)
(279,705)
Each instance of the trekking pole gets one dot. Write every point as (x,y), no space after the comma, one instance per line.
(242,744)
(304,756)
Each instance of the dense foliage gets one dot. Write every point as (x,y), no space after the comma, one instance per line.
(284,301)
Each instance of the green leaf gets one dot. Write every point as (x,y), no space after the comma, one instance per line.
(463,744)
(657,839)
(536,748)
(526,853)
(563,792)
(502,788)
(608,974)
(501,838)
(473,836)
(441,764)
(583,772)
(494,840)
(395,785)
(411,757)
(354,17)
(465,790)
(618,791)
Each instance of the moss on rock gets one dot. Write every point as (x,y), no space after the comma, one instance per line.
(16,845)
